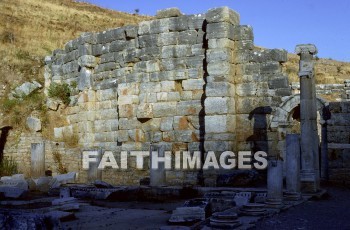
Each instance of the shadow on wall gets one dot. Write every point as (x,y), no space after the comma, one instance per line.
(259,141)
(3,138)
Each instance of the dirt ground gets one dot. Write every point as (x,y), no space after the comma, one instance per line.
(330,213)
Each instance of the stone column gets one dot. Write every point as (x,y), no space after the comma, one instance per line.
(94,173)
(310,178)
(274,183)
(293,164)
(158,176)
(37,160)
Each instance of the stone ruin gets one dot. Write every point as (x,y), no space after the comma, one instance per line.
(183,82)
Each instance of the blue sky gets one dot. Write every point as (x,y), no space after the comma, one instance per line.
(276,23)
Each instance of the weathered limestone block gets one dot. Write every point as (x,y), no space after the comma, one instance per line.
(185,108)
(34,124)
(168,13)
(125,123)
(245,105)
(280,82)
(88,37)
(244,45)
(220,30)
(87,61)
(220,123)
(219,54)
(220,89)
(166,39)
(136,135)
(193,84)
(164,109)
(145,111)
(111,35)
(219,69)
(85,49)
(270,68)
(127,111)
(166,123)
(219,146)
(25,89)
(168,96)
(131,31)
(100,49)
(175,51)
(178,24)
(188,37)
(129,99)
(222,14)
(219,105)
(85,79)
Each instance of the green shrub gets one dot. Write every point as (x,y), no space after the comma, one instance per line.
(8,167)
(9,104)
(60,91)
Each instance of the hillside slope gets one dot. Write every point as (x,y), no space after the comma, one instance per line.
(31,29)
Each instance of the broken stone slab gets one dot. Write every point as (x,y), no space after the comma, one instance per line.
(242,198)
(187,214)
(168,13)
(65,192)
(260,198)
(66,178)
(13,192)
(24,90)
(34,124)
(192,211)
(43,184)
(17,183)
(53,104)
(62,201)
(102,184)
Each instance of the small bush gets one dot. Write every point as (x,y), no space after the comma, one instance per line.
(9,104)
(58,160)
(60,91)
(8,167)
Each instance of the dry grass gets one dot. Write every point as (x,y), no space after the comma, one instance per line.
(32,29)
(327,71)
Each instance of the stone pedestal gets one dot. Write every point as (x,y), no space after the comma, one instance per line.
(274,183)
(94,173)
(293,165)
(37,160)
(310,178)
(158,176)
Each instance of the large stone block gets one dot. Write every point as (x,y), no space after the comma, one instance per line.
(193,84)
(220,123)
(34,124)
(164,109)
(219,146)
(166,124)
(129,99)
(220,30)
(222,14)
(219,105)
(220,89)
(145,111)
(175,51)
(219,54)
(168,13)
(220,68)
(193,107)
(87,61)
(178,23)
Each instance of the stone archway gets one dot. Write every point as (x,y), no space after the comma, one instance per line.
(282,120)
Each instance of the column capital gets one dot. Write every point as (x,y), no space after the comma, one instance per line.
(306,48)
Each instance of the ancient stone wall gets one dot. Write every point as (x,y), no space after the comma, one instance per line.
(191,82)
(338,134)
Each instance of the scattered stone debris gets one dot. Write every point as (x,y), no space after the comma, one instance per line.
(192,211)
(24,90)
